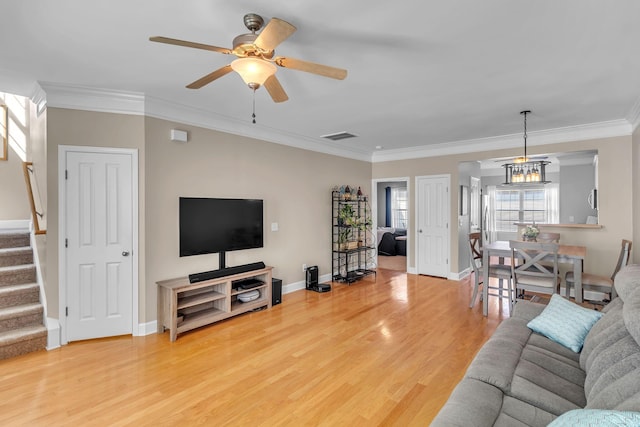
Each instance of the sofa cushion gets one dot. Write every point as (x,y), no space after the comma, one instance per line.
(614,379)
(596,417)
(472,402)
(602,331)
(476,403)
(498,358)
(515,413)
(565,322)
(627,281)
(631,314)
(527,310)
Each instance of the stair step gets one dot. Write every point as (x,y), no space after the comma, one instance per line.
(14,239)
(21,294)
(21,341)
(16,256)
(16,275)
(20,316)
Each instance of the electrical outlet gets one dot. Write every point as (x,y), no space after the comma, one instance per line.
(304,267)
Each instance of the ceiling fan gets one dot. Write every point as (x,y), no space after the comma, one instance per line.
(256,59)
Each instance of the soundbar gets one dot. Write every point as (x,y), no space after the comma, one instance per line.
(214,274)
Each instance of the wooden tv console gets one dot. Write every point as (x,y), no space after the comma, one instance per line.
(183,306)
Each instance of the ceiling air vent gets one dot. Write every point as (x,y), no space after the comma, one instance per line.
(338,136)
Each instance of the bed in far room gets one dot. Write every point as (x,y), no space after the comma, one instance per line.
(392,241)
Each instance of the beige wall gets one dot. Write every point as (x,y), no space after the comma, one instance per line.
(85,128)
(13,192)
(295,185)
(615,195)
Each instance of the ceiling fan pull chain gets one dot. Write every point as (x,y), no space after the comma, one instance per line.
(254,107)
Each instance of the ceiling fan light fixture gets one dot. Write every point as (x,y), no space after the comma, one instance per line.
(253,71)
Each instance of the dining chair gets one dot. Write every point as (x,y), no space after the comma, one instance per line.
(499,271)
(546,237)
(534,267)
(596,283)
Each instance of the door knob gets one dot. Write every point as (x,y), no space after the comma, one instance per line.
(125,253)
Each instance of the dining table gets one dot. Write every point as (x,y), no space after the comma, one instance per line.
(571,254)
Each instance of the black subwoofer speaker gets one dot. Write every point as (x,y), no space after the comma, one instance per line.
(312,276)
(276,291)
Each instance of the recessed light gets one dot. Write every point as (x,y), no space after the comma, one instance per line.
(378,147)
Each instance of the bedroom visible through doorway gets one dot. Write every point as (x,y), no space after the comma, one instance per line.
(392,222)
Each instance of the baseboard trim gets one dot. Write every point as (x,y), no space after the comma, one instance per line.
(296,286)
(53,333)
(146,328)
(15,224)
(461,275)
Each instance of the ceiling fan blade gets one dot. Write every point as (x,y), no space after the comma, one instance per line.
(273,34)
(210,77)
(273,86)
(185,43)
(311,67)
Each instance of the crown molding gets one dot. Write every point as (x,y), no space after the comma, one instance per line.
(93,99)
(607,129)
(165,110)
(135,103)
(633,117)
(39,98)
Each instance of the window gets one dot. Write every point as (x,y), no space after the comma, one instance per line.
(532,204)
(399,207)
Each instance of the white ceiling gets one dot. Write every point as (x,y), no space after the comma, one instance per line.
(421,73)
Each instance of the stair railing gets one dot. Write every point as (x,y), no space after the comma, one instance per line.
(37,213)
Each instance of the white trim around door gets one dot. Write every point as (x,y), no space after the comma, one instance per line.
(374,211)
(63,150)
(433,228)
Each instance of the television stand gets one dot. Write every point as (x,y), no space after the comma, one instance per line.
(183,306)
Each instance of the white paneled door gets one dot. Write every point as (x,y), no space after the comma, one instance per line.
(98,240)
(432,225)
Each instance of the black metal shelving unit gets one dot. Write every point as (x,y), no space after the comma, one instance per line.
(353,244)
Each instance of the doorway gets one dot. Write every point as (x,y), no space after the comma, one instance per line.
(391,219)
(98,217)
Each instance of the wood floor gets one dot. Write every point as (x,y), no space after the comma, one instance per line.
(385,351)
(397,262)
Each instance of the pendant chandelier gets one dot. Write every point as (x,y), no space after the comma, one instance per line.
(523,170)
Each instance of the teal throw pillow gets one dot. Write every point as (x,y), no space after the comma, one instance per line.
(597,417)
(565,322)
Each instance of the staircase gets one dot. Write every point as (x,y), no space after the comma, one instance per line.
(22,327)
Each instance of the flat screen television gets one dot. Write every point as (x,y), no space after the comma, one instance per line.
(209,225)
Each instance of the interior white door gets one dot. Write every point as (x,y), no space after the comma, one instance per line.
(98,240)
(433,225)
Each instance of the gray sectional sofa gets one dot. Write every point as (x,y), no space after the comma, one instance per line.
(522,378)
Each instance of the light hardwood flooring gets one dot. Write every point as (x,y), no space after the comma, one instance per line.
(385,351)
(397,262)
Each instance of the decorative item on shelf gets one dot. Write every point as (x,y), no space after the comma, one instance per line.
(524,170)
(342,190)
(530,233)
(347,193)
(359,193)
